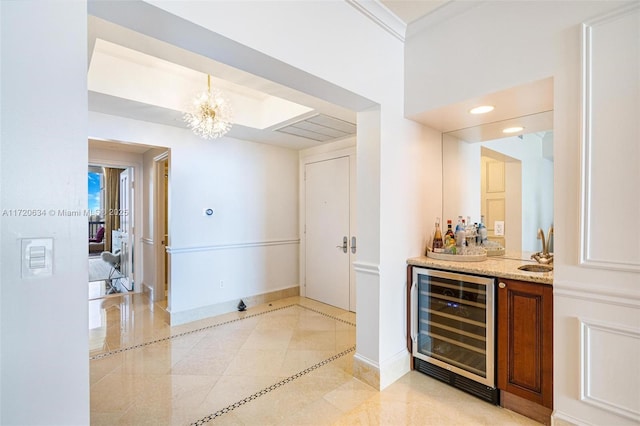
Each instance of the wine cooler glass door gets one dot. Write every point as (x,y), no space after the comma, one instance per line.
(453,323)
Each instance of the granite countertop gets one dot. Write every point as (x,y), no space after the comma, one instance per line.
(497,266)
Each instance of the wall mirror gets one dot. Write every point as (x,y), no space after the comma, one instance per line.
(503,178)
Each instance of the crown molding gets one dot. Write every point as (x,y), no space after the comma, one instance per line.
(382,16)
(439,15)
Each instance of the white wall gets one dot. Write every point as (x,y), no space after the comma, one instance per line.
(367,267)
(44,336)
(497,45)
(492,46)
(250,243)
(410,158)
(597,303)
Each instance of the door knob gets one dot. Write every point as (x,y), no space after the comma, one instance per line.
(501,285)
(345,242)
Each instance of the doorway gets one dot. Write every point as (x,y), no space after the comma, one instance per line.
(329,229)
(501,197)
(161,206)
(110,224)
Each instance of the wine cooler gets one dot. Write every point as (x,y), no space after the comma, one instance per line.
(452,330)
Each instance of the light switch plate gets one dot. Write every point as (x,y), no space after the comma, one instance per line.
(37,257)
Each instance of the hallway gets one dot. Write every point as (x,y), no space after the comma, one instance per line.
(287,362)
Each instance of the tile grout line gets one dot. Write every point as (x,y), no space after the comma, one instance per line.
(266,390)
(186,333)
(327,315)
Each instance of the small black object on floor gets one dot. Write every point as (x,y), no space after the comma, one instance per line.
(241,306)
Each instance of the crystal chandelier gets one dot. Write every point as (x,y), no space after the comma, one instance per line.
(210,114)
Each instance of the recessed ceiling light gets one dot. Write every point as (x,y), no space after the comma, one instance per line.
(515,129)
(482,109)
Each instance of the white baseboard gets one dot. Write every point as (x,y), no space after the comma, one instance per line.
(177,318)
(394,368)
(380,376)
(563,419)
(147,290)
(366,370)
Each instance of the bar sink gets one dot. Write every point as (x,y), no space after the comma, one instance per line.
(536,268)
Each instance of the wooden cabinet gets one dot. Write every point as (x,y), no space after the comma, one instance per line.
(525,348)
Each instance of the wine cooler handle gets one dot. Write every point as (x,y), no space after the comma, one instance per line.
(501,284)
(414,315)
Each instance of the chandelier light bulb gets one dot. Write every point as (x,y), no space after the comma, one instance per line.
(210,114)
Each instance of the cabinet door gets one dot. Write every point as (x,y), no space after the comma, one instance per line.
(525,340)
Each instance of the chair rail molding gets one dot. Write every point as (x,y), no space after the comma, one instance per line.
(233,245)
(367,268)
(596,293)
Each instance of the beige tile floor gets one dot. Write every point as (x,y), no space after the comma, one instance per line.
(284,363)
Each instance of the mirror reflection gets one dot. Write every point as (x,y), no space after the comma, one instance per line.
(507,181)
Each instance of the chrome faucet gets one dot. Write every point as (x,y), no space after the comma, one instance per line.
(544,257)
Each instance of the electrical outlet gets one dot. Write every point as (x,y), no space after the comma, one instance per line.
(221,284)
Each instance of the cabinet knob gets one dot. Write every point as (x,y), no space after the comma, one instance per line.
(501,285)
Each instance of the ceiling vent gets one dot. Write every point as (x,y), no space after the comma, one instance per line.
(320,127)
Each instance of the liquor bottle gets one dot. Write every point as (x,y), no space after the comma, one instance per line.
(482,231)
(438,242)
(465,227)
(449,239)
(460,234)
(474,234)
(470,232)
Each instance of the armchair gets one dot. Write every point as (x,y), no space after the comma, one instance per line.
(96,244)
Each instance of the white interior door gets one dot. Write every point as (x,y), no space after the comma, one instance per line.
(501,197)
(161,287)
(328,238)
(126,225)
(493,195)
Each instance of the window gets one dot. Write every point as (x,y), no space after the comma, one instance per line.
(95,195)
